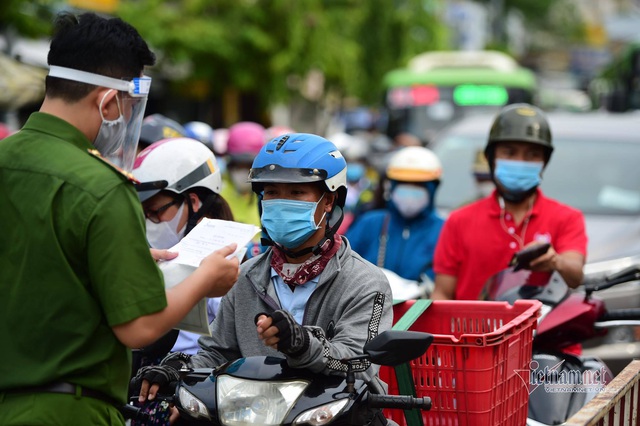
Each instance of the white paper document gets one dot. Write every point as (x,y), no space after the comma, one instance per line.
(206,237)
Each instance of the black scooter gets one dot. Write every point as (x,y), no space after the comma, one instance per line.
(265,390)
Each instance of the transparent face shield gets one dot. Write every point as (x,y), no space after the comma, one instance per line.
(122,144)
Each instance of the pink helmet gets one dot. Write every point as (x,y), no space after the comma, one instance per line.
(245,140)
(4,131)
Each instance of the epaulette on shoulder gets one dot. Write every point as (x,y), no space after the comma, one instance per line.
(129,176)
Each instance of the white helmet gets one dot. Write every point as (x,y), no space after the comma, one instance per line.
(352,148)
(414,164)
(182,163)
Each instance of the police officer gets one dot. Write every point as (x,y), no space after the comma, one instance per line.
(79,286)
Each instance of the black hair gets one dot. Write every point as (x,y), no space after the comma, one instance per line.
(88,42)
(219,208)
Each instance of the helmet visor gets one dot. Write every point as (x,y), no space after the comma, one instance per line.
(274,173)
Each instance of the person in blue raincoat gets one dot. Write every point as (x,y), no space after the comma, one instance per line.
(402,236)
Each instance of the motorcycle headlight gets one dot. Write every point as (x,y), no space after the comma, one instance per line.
(321,415)
(249,402)
(192,405)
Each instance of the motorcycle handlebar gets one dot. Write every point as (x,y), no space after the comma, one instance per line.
(403,402)
(621,314)
(131,412)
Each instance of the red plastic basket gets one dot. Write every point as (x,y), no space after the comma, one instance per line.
(476,372)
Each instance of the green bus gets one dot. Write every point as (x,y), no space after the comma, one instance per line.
(437,88)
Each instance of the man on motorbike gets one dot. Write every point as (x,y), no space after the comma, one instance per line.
(309,298)
(479,239)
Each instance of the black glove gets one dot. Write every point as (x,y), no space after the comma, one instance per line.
(294,339)
(165,375)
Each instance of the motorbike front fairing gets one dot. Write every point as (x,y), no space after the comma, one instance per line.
(265,390)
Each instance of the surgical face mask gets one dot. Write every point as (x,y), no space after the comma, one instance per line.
(518,176)
(239,178)
(164,235)
(112,133)
(290,222)
(410,200)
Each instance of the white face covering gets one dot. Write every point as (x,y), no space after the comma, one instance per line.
(165,235)
(112,133)
(410,200)
(240,179)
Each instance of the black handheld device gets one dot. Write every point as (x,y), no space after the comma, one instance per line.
(521,259)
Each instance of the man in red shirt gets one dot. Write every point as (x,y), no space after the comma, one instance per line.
(479,239)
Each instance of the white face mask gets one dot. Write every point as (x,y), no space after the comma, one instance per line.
(410,200)
(165,235)
(239,178)
(112,133)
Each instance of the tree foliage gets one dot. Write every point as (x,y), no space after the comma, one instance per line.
(28,18)
(269,46)
(557,20)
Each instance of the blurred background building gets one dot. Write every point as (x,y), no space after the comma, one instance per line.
(305,65)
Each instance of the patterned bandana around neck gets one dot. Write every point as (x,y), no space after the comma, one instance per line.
(310,268)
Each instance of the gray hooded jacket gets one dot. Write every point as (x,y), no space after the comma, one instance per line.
(351,304)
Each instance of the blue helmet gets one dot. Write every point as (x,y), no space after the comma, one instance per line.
(200,131)
(300,158)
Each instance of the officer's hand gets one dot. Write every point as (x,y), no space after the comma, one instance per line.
(158,254)
(221,271)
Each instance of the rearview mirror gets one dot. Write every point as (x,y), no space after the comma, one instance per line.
(395,347)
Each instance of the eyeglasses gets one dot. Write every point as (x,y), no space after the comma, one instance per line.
(154,215)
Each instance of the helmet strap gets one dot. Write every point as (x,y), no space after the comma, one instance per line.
(207,203)
(515,197)
(290,253)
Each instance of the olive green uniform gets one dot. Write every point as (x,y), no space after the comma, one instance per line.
(74,263)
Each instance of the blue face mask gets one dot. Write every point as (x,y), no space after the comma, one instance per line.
(290,222)
(518,176)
